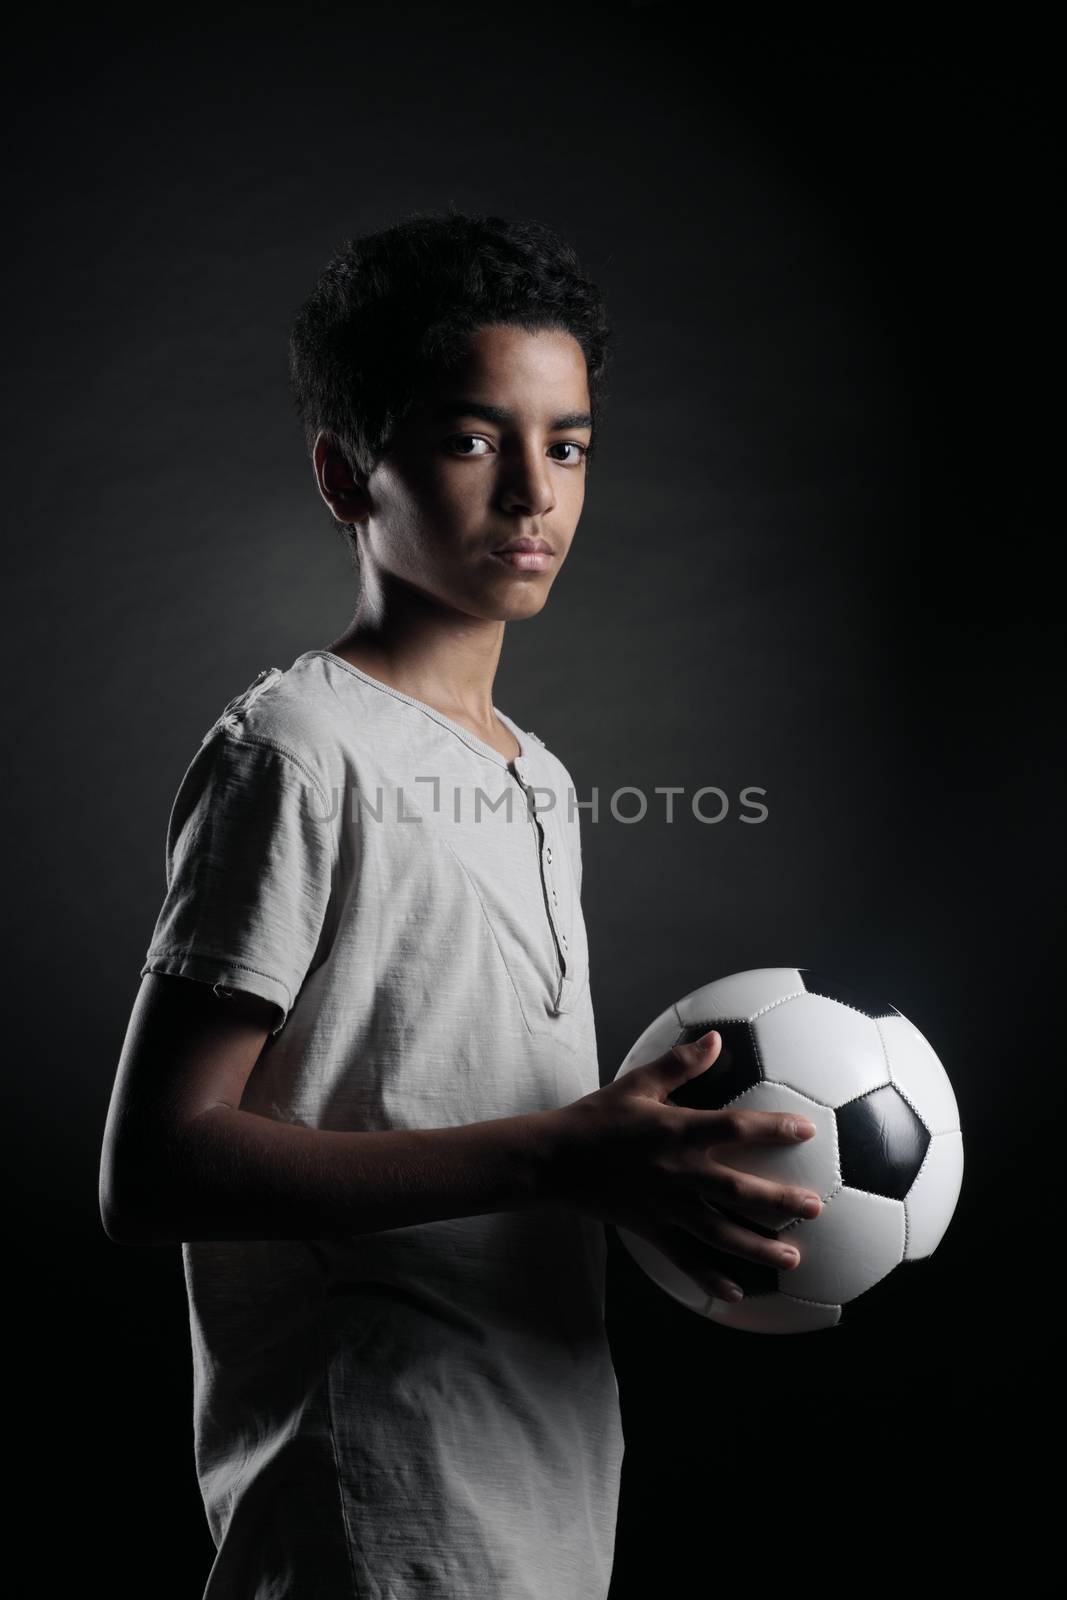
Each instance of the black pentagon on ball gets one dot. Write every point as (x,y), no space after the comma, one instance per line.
(735,1069)
(881,1142)
(858,999)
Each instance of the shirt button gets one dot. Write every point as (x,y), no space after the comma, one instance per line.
(563,936)
(548,854)
(555,898)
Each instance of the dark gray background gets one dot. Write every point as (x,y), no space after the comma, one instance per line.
(813,558)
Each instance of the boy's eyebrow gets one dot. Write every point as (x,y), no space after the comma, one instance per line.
(477,408)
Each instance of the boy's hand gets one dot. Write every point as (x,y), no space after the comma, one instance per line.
(627,1156)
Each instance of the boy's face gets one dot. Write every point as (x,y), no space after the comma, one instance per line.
(491,452)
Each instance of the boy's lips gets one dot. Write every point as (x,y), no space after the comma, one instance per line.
(527,542)
(526,556)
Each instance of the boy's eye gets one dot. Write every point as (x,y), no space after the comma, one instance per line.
(572,444)
(460,439)
(467,438)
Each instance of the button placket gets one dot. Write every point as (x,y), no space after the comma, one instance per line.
(551,897)
(550,891)
(552,888)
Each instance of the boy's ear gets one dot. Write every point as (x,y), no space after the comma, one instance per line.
(345,497)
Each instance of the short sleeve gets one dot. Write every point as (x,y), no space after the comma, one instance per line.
(249,863)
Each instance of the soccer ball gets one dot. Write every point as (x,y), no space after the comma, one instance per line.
(886,1159)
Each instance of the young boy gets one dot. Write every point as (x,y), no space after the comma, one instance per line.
(360,1083)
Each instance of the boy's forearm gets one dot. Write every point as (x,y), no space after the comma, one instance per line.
(234,1174)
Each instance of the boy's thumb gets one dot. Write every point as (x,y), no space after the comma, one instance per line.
(685,1061)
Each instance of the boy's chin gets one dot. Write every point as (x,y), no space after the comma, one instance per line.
(511,604)
(526,602)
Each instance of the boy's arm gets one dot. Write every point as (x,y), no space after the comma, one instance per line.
(181,1160)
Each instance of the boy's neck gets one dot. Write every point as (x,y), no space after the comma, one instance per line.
(422,684)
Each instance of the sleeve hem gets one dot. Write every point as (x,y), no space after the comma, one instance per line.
(223,973)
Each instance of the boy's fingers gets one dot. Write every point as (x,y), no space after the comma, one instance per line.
(740,1125)
(731,1125)
(696,1258)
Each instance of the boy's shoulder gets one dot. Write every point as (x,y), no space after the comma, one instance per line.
(294,711)
(322,717)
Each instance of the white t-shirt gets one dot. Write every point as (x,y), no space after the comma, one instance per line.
(432,1410)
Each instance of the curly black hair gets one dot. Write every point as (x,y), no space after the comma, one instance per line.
(391,306)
